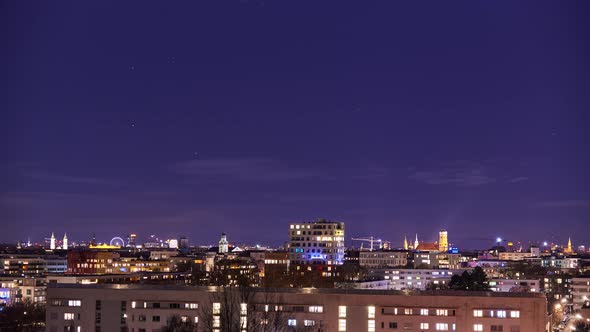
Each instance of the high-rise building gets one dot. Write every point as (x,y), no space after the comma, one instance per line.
(131,240)
(52,242)
(443,240)
(223,244)
(316,243)
(65,242)
(183,242)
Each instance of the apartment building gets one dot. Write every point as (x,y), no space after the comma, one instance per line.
(140,308)
(383,258)
(581,291)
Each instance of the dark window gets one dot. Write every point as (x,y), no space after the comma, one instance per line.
(155,318)
(393,325)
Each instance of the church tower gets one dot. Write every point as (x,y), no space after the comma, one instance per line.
(52,242)
(569,249)
(65,242)
(223,244)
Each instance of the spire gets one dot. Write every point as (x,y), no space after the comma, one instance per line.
(569,245)
(52,242)
(416,243)
(405,242)
(65,242)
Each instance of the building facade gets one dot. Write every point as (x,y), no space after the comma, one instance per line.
(316,243)
(385,258)
(149,308)
(581,291)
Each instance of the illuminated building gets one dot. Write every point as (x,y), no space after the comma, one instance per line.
(386,258)
(416,243)
(131,240)
(150,308)
(569,249)
(519,256)
(406,246)
(65,242)
(223,244)
(581,291)
(316,243)
(31,265)
(173,244)
(443,240)
(91,261)
(52,242)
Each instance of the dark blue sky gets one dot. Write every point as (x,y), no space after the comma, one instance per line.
(197,117)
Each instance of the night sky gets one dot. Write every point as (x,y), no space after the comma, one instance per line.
(200,117)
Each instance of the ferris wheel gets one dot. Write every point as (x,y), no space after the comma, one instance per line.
(117,241)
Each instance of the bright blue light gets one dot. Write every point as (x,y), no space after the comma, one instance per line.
(499,239)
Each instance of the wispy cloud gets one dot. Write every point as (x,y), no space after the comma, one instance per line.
(518,179)
(573,203)
(249,169)
(52,177)
(454,173)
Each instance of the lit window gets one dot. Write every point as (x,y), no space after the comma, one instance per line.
(478,327)
(514,314)
(74,303)
(477,313)
(442,312)
(371,325)
(342,311)
(341,325)
(309,322)
(316,308)
(424,312)
(216,308)
(243,309)
(371,312)
(424,326)
(501,314)
(408,312)
(292,322)
(68,316)
(243,322)
(191,305)
(133,304)
(216,321)
(442,326)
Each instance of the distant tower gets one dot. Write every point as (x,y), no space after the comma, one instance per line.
(65,242)
(52,242)
(569,249)
(416,243)
(223,244)
(443,241)
(406,243)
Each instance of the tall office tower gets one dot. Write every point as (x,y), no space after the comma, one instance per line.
(223,244)
(443,240)
(65,242)
(52,242)
(317,243)
(183,242)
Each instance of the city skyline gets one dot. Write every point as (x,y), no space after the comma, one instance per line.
(246,116)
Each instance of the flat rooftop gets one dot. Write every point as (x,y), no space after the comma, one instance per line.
(301,290)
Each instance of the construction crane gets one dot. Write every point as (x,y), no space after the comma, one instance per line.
(371,240)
